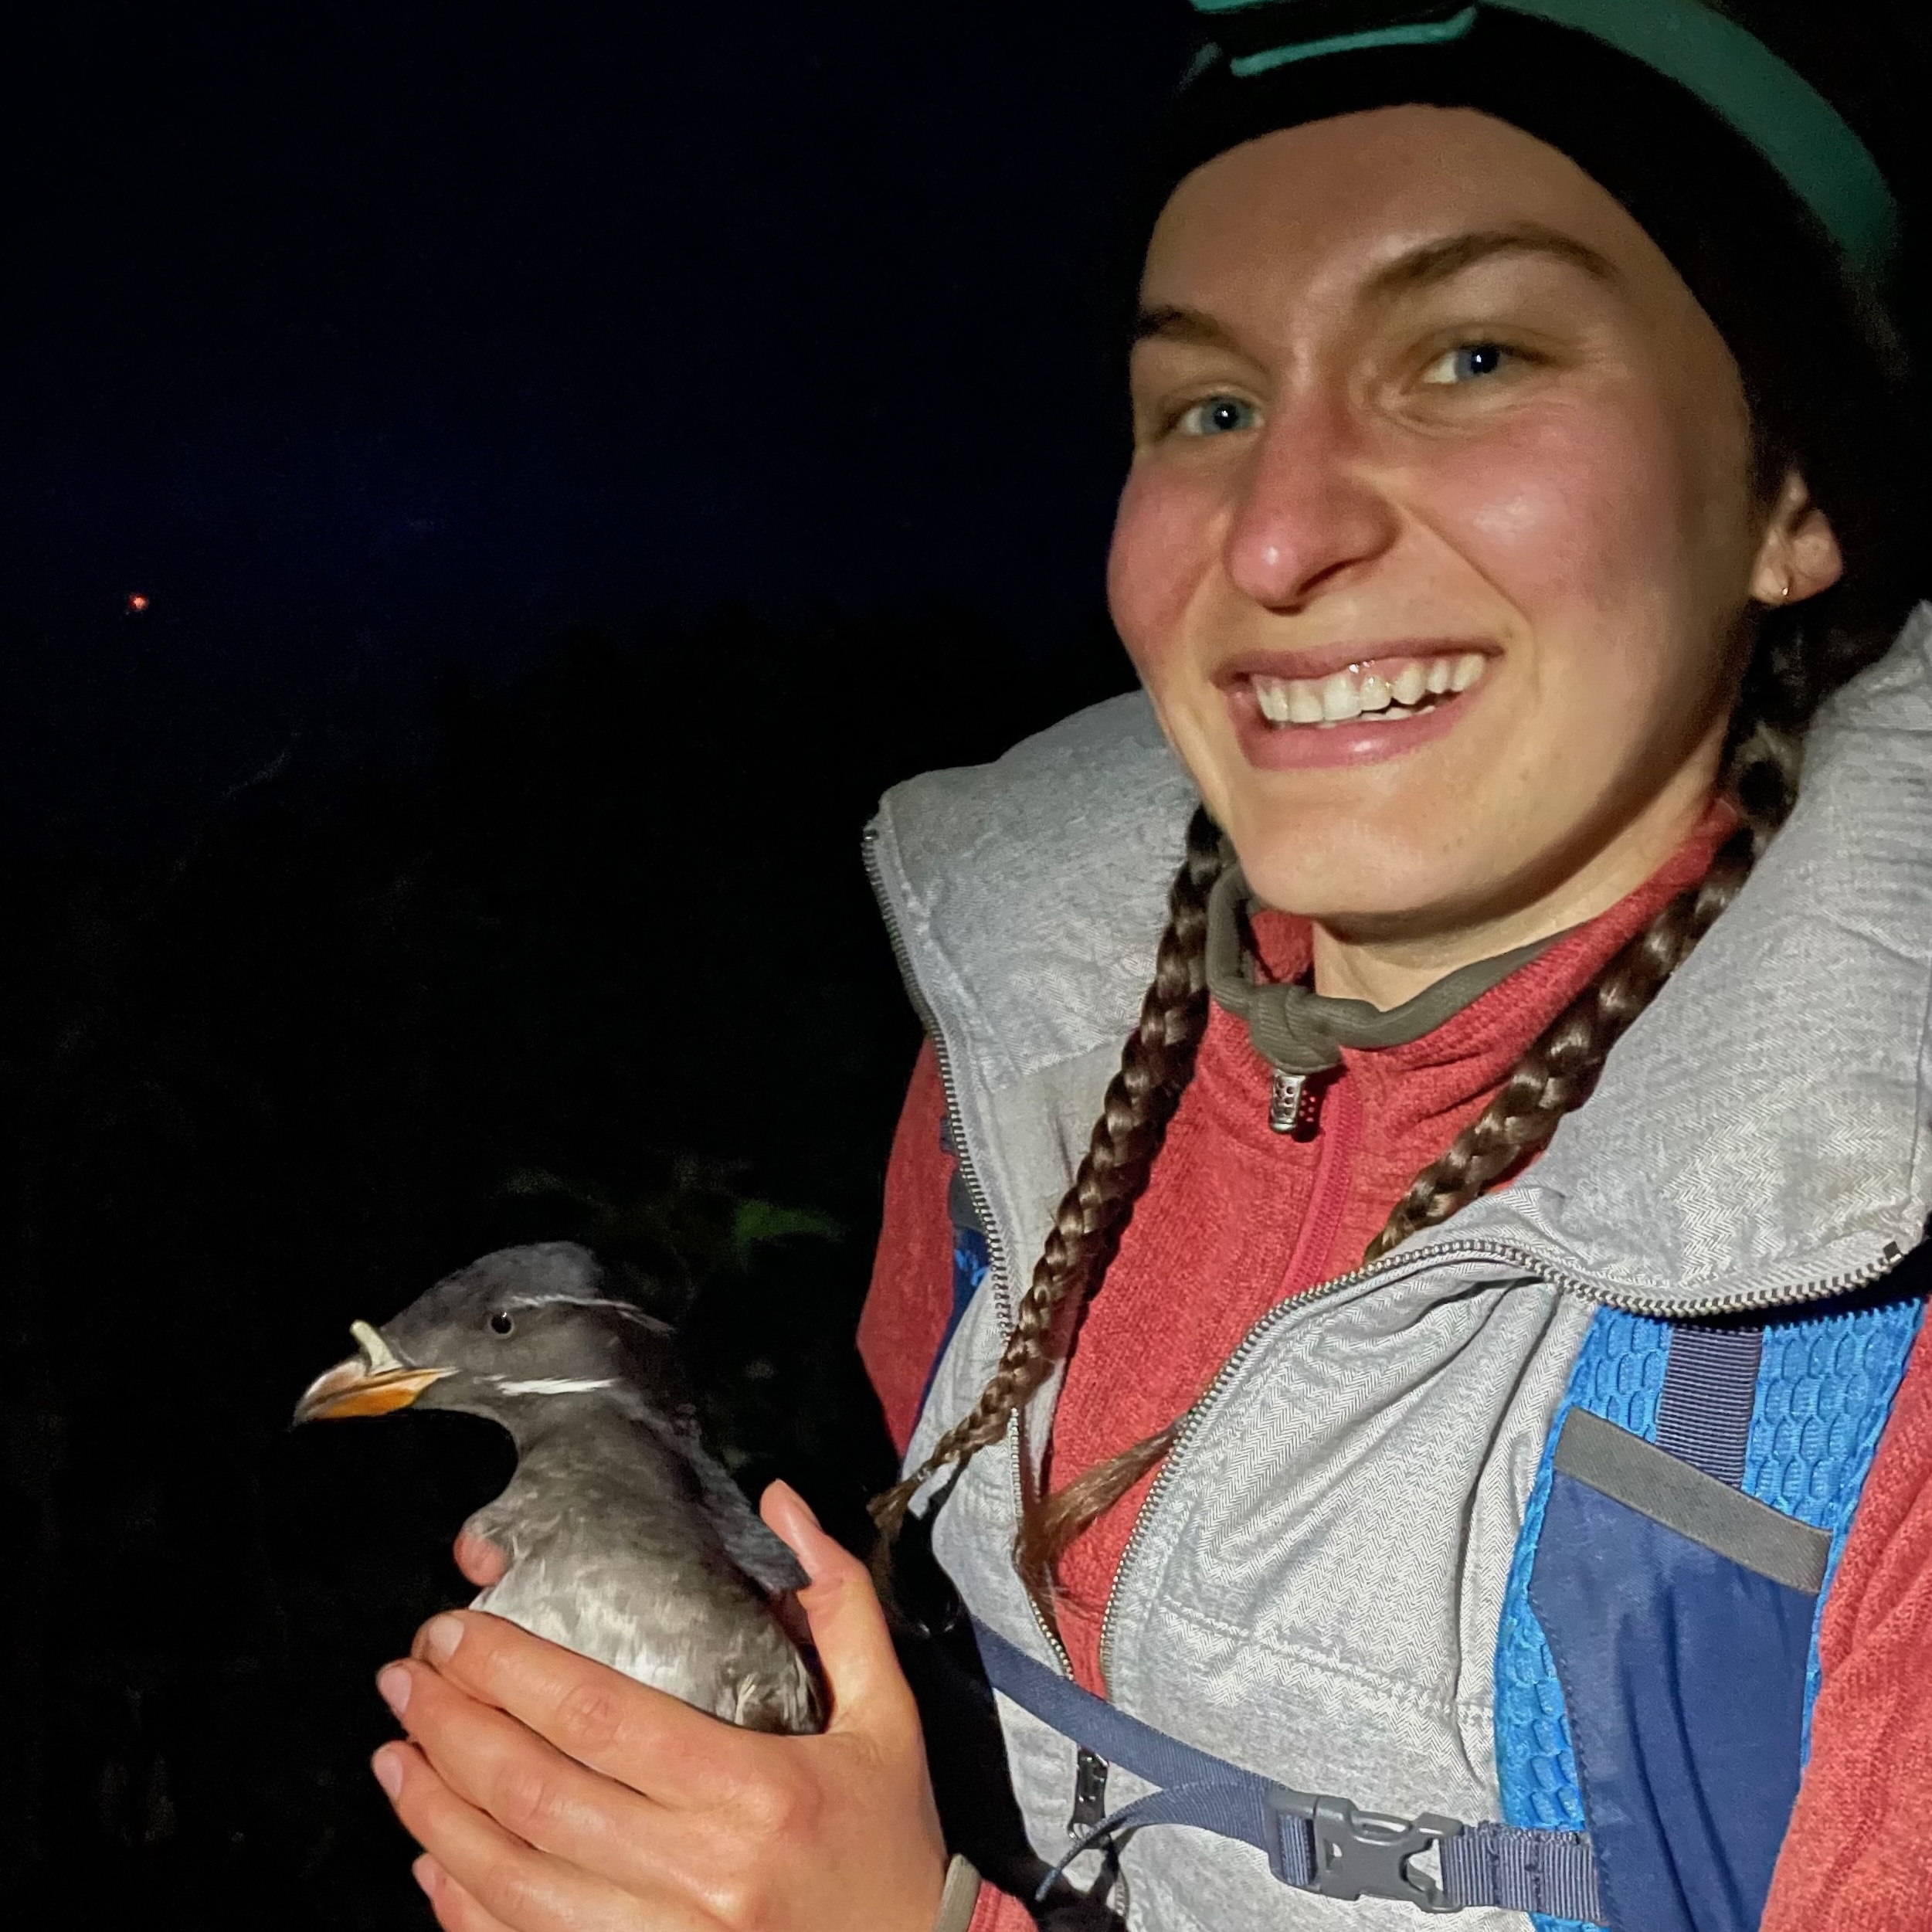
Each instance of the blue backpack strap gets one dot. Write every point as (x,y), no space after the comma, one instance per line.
(1658,1653)
(1317,1843)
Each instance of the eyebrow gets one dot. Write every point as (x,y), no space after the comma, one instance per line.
(1435,262)
(1169,323)
(1425,267)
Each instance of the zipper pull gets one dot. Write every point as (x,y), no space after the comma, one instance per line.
(1293,1107)
(1089,1793)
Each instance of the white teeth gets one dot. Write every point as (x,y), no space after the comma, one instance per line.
(1340,697)
(1351,694)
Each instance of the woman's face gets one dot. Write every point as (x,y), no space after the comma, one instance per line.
(1441,530)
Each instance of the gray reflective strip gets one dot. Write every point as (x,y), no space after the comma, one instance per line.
(1629,1470)
(1523,1871)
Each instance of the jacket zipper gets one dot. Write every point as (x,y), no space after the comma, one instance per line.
(1341,1140)
(1502,1253)
(996,1269)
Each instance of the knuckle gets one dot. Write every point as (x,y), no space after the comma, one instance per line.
(783,1807)
(513,1888)
(527,1799)
(590,1716)
(743,1901)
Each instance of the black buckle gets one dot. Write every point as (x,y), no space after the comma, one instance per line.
(1362,1854)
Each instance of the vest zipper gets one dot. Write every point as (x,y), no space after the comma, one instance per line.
(998,1275)
(1505,1254)
(1401,1261)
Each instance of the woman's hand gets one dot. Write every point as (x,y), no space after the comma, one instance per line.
(549,1792)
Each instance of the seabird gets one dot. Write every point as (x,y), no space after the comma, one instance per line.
(625,1539)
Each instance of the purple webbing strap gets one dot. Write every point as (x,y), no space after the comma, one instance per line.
(1519,1868)
(1704,1409)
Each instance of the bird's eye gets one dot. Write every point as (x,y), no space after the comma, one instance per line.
(501,1323)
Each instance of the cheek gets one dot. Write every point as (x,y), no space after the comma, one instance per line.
(1584,522)
(1164,547)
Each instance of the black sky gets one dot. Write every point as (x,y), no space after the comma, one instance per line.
(356,335)
(348,306)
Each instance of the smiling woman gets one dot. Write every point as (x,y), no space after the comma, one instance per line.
(1473,428)
(1457,1449)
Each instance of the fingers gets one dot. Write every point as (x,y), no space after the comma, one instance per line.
(541,1797)
(869,1690)
(455,1910)
(652,1743)
(479,1559)
(514,1884)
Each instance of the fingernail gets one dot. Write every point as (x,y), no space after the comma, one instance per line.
(440,1637)
(425,1874)
(393,1681)
(388,1767)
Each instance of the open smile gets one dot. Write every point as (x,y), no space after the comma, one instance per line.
(1324,707)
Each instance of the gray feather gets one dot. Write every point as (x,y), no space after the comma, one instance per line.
(626,1539)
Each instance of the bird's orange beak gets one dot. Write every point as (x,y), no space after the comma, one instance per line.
(371,1383)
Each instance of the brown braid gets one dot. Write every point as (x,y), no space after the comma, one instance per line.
(1156,1065)
(1554,1076)
(1560,1069)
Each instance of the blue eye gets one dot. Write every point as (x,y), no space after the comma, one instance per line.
(1219,416)
(1466,363)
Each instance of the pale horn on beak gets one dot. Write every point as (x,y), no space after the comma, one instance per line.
(373,1382)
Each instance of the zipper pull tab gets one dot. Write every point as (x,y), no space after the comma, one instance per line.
(1089,1793)
(1293,1107)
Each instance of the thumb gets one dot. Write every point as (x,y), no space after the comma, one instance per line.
(869,1690)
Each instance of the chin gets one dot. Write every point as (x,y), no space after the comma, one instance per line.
(1338,892)
(1338,865)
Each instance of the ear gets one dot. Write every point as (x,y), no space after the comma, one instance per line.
(1798,555)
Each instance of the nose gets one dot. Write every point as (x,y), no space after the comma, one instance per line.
(1310,514)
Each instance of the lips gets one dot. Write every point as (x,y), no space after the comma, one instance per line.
(1340,705)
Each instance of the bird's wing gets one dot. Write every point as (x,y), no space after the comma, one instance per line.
(747,1542)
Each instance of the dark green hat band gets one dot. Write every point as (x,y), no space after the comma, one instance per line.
(1764,101)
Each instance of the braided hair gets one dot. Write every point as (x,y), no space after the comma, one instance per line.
(1156,1065)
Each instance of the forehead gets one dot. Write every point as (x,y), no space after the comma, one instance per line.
(1321,209)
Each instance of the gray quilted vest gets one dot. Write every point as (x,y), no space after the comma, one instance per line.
(1335,1556)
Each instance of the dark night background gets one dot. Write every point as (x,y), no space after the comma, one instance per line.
(572,460)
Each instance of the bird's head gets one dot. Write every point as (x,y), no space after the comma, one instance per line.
(506,1336)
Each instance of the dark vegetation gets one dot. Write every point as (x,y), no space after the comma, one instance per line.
(589,953)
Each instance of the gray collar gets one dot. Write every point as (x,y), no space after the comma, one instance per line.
(1298,1030)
